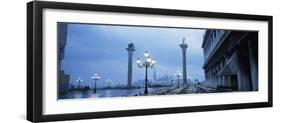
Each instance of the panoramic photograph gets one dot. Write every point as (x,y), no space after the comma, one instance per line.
(103,60)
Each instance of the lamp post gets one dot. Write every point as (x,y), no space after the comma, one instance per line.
(148,62)
(95,77)
(79,80)
(178,75)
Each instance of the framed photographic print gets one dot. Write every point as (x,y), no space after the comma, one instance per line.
(94,61)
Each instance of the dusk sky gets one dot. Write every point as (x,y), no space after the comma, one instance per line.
(101,49)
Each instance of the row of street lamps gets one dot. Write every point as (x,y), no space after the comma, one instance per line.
(148,62)
(95,77)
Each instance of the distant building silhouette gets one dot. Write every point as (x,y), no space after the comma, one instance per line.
(154,75)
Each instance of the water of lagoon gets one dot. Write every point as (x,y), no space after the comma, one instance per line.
(105,93)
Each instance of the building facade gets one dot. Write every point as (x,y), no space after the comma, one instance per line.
(63,78)
(231,59)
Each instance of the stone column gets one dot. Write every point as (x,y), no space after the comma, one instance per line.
(228,80)
(219,81)
(223,80)
(183,46)
(212,78)
(216,81)
(130,50)
(254,66)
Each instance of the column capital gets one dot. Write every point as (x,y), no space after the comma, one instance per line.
(183,45)
(131,48)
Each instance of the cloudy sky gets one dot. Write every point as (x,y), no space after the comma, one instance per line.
(101,49)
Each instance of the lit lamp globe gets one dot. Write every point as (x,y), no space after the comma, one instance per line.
(146,54)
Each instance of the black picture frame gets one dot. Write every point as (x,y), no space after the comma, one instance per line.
(35,69)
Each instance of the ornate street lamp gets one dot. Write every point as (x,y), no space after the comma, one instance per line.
(148,63)
(79,80)
(178,75)
(95,77)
